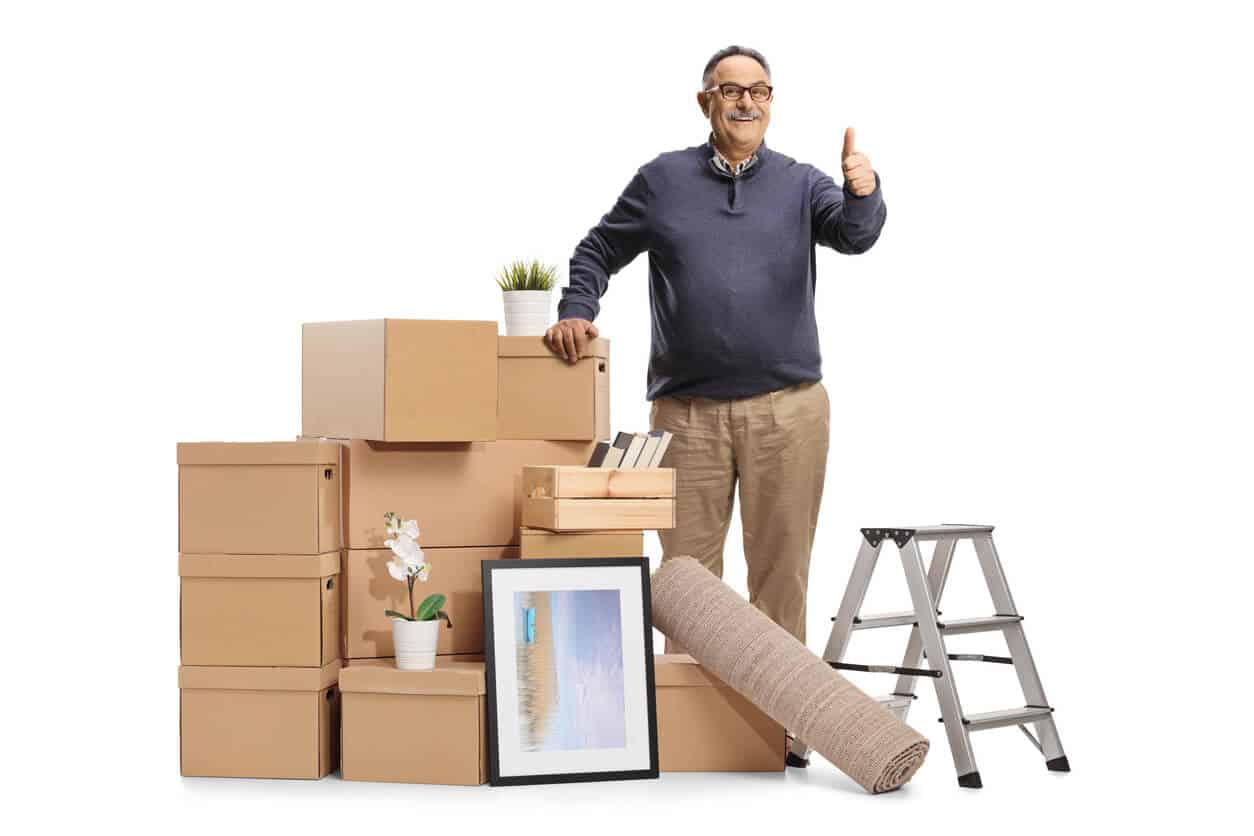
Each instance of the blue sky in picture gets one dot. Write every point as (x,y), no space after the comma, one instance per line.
(587,633)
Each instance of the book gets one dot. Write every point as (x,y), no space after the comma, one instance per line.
(598,454)
(650,447)
(661,448)
(614,456)
(632,457)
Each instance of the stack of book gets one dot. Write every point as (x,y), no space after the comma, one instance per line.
(632,450)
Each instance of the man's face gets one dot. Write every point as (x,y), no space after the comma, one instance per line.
(738,125)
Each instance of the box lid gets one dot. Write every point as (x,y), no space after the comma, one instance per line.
(259,452)
(259,565)
(258,679)
(535,347)
(381,676)
(681,670)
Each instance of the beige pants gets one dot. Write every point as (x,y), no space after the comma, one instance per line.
(775,445)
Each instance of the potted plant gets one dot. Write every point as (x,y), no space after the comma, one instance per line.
(528,288)
(415,635)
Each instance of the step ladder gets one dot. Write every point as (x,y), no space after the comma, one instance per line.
(927,641)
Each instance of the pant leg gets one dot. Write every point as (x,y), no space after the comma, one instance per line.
(705,475)
(781,455)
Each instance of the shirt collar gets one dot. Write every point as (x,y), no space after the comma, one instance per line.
(726,167)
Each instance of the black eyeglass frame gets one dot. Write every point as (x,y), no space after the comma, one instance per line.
(741,90)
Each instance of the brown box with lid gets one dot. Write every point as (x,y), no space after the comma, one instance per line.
(244,722)
(260,610)
(705,726)
(259,498)
(418,727)
(542,396)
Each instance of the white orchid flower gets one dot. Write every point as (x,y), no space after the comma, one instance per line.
(409,528)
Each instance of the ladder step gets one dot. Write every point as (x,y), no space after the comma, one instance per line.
(948,530)
(978,657)
(888,619)
(850,666)
(956,626)
(1008,717)
(895,702)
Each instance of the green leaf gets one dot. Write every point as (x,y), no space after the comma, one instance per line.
(395,614)
(430,606)
(520,275)
(442,614)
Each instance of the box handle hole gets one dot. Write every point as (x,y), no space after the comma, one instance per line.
(328,474)
(330,583)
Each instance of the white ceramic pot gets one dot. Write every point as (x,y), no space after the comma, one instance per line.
(415,643)
(527,312)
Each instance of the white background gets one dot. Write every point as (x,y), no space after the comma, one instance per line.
(1052,335)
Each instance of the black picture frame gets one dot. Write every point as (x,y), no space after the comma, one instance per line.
(573,565)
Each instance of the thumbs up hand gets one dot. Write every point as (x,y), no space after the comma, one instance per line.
(859,176)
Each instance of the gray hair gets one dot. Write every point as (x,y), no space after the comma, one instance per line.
(727,53)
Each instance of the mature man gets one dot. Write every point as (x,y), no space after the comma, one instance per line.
(734,372)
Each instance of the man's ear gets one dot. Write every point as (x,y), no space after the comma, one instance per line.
(702,100)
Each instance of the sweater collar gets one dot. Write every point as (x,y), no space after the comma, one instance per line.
(720,165)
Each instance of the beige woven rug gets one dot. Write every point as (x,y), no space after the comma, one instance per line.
(741,646)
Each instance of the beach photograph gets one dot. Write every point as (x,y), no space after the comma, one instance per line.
(569,650)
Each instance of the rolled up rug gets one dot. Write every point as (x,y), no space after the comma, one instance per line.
(764,662)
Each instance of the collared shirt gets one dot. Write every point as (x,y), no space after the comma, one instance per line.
(740,168)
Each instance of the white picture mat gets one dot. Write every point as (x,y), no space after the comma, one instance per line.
(512,760)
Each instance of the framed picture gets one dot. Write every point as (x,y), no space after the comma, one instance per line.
(568,646)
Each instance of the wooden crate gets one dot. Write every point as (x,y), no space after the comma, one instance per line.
(573,482)
(592,514)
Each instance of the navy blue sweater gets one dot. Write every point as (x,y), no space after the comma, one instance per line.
(731,267)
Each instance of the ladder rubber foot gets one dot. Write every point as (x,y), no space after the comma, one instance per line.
(793,760)
(1058,764)
(971,781)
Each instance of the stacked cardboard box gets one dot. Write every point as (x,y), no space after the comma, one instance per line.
(435,421)
(259,567)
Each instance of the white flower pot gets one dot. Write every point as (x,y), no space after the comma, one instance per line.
(415,643)
(527,312)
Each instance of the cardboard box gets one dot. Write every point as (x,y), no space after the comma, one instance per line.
(591,514)
(538,543)
(417,727)
(369,591)
(270,498)
(541,396)
(399,380)
(259,722)
(263,610)
(580,482)
(705,726)
(461,494)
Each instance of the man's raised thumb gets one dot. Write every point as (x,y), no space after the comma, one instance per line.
(848,149)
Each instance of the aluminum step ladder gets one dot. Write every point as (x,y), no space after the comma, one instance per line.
(927,641)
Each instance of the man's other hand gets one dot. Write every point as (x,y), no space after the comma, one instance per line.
(568,339)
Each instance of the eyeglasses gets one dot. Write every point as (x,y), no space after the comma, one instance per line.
(733,92)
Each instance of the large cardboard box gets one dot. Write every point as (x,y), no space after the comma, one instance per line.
(399,380)
(541,396)
(259,498)
(460,494)
(370,591)
(259,722)
(592,514)
(418,727)
(260,610)
(705,726)
(538,543)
